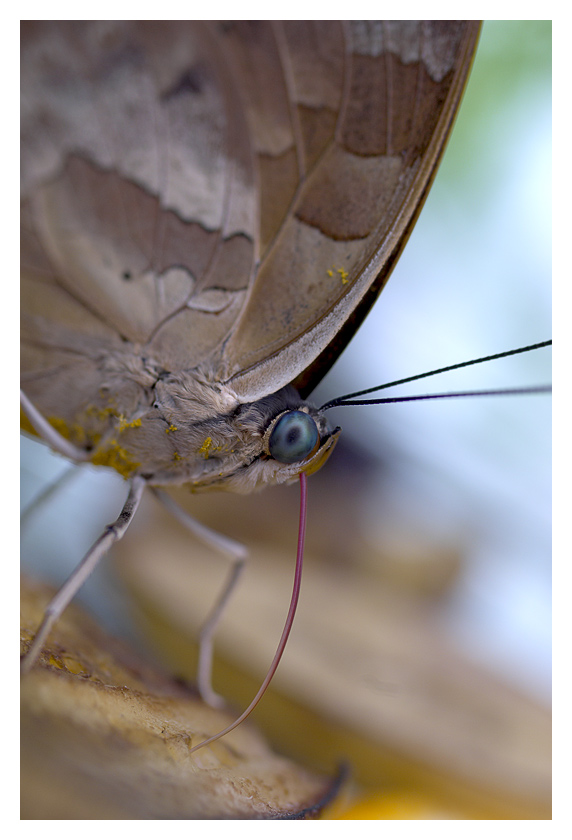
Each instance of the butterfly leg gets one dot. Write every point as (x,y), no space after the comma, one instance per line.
(49,434)
(237,554)
(206,636)
(57,605)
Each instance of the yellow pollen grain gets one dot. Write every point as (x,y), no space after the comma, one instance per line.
(344,276)
(124,423)
(170,428)
(117,457)
(100,413)
(206,447)
(74,432)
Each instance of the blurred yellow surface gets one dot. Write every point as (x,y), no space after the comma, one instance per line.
(368,676)
(104,736)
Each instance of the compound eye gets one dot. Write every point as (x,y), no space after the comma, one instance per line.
(293,438)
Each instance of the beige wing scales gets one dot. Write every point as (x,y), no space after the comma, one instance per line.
(371,105)
(138,201)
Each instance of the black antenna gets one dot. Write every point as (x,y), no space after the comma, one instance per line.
(348,399)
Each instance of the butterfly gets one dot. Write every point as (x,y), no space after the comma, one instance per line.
(209,212)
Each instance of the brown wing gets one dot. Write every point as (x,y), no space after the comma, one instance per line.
(370,105)
(229,195)
(139,205)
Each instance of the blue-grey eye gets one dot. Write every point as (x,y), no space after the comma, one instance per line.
(293,438)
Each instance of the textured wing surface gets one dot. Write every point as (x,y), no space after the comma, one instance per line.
(360,111)
(139,208)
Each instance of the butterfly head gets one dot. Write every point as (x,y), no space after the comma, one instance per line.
(280,436)
(226,445)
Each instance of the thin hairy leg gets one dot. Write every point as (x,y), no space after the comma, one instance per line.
(57,605)
(237,554)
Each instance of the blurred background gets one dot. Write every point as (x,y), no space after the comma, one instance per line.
(452,498)
(474,279)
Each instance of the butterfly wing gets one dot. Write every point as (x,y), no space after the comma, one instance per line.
(363,110)
(208,210)
(139,205)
